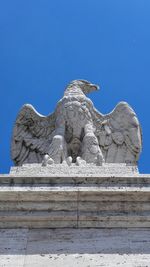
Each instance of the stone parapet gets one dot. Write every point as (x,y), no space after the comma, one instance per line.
(89,199)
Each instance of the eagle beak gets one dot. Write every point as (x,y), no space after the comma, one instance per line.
(95,87)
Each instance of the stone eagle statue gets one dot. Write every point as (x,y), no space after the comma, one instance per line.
(76,132)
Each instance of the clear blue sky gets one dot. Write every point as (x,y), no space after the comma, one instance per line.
(44,44)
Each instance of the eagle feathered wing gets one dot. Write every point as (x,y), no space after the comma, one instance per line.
(32,135)
(119,134)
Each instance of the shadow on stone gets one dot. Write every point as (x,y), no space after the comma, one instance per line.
(74,241)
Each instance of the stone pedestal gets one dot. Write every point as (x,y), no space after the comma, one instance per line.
(113,195)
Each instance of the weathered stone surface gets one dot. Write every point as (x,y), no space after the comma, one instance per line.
(76,132)
(13,245)
(58,196)
(74,247)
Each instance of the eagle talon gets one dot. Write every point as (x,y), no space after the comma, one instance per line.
(47,160)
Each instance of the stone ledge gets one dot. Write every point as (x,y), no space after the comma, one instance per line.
(63,170)
(74,206)
(99,180)
(58,197)
(75,247)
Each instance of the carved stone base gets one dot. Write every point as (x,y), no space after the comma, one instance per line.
(114,195)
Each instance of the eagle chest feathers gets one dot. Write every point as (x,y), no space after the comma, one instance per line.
(75,112)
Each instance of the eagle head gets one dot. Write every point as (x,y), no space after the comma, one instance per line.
(85,86)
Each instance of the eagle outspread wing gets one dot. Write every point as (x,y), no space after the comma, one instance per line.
(119,134)
(32,135)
